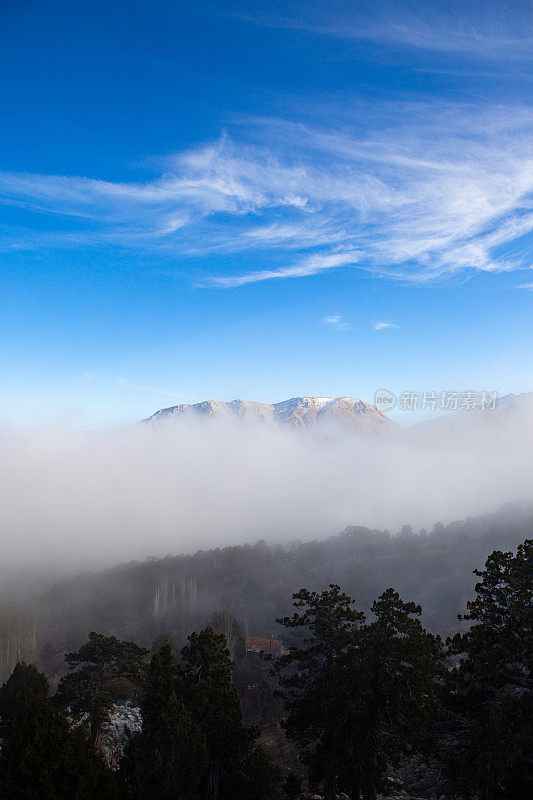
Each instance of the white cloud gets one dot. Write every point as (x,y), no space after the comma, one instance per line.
(494,29)
(411,191)
(337,321)
(528,286)
(380,326)
(308,266)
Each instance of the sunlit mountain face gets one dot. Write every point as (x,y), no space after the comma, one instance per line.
(298,412)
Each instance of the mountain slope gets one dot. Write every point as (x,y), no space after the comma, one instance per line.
(511,414)
(298,412)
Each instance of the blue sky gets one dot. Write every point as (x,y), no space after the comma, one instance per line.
(261,200)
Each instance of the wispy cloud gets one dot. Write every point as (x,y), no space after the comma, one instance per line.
(418,192)
(380,326)
(337,321)
(494,29)
(527,286)
(308,266)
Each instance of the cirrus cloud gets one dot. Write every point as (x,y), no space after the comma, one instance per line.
(419,192)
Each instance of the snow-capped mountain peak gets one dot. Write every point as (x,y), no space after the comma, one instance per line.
(297,412)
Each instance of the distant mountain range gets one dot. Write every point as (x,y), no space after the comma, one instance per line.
(510,412)
(349,413)
(298,412)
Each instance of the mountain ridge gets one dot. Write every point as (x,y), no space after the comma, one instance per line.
(350,413)
(297,412)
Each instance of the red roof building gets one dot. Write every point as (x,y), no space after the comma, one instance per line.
(255,644)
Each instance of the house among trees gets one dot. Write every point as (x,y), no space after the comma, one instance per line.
(270,645)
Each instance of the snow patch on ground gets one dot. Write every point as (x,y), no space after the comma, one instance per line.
(123,721)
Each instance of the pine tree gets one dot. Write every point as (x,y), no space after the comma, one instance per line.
(167,759)
(357,693)
(41,758)
(214,705)
(97,671)
(311,679)
(491,690)
(392,682)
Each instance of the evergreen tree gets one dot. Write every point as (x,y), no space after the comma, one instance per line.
(391,687)
(167,759)
(311,679)
(491,690)
(41,758)
(97,675)
(26,685)
(357,693)
(253,775)
(292,787)
(214,705)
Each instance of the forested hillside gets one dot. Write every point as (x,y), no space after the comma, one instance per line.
(178,594)
(353,704)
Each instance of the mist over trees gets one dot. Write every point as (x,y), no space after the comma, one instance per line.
(364,695)
(252,584)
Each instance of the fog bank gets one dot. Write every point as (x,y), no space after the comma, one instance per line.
(79,501)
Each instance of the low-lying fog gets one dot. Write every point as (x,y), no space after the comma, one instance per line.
(79,501)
